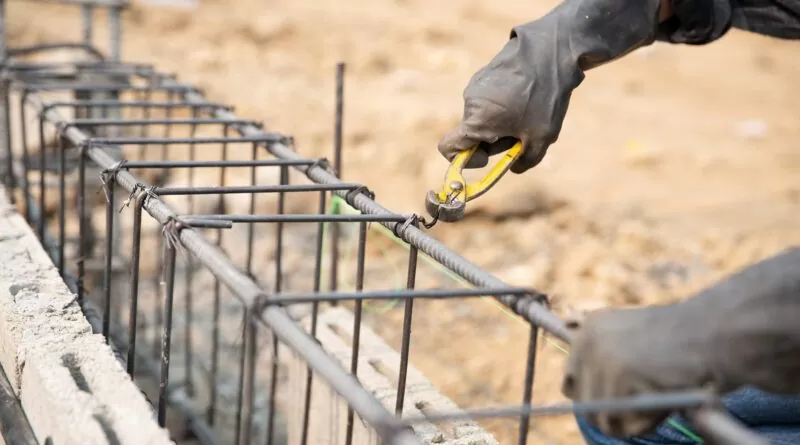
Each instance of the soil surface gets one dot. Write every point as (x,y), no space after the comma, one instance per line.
(676,165)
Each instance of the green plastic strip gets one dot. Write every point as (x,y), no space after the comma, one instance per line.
(685,431)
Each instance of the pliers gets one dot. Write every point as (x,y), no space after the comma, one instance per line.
(450,203)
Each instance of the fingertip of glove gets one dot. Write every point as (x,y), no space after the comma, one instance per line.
(532,156)
(521,166)
(450,144)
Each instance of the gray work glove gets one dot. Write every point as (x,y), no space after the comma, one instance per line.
(524,91)
(743,331)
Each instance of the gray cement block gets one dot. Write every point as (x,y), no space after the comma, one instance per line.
(72,388)
(377,371)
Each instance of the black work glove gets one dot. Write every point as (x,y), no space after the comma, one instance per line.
(524,91)
(743,331)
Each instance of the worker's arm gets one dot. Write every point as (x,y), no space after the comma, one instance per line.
(743,331)
(524,91)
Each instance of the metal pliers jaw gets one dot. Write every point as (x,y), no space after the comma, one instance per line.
(450,203)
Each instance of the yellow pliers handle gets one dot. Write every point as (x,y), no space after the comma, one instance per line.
(449,204)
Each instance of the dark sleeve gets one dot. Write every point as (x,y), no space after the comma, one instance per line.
(697,22)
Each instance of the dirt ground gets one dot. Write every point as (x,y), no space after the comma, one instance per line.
(675,166)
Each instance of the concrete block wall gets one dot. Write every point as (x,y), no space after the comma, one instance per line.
(71,386)
(378,368)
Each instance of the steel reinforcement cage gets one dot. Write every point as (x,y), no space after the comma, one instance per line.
(94,139)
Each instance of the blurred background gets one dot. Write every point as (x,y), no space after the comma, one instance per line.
(676,165)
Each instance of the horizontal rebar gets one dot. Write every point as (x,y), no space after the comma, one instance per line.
(295,218)
(56,73)
(110,87)
(102,3)
(33,49)
(134,104)
(672,401)
(263,137)
(238,189)
(207,223)
(176,121)
(399,294)
(32,66)
(204,164)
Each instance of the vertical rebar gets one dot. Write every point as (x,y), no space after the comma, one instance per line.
(250,378)
(81,223)
(87,23)
(5,151)
(527,393)
(339,120)
(87,31)
(357,312)
(406,342)
(109,186)
(115,33)
(108,131)
(5,121)
(26,191)
(159,315)
(3,29)
(167,128)
(135,255)
(189,277)
(62,198)
(144,129)
(215,317)
(242,365)
(252,209)
(42,172)
(162,177)
(166,336)
(273,384)
(337,165)
(314,317)
(273,390)
(284,180)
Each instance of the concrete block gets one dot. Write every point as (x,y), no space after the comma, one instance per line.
(378,367)
(71,386)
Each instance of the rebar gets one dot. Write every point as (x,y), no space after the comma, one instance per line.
(275,319)
(265,307)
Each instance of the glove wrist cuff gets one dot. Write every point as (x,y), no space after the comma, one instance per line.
(585,34)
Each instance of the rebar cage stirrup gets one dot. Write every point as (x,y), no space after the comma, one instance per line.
(118,108)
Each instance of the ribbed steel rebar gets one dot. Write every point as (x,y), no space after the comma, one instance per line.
(527,308)
(274,318)
(714,423)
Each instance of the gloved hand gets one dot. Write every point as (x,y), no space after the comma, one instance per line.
(743,331)
(524,91)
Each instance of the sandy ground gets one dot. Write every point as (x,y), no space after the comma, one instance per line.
(675,166)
